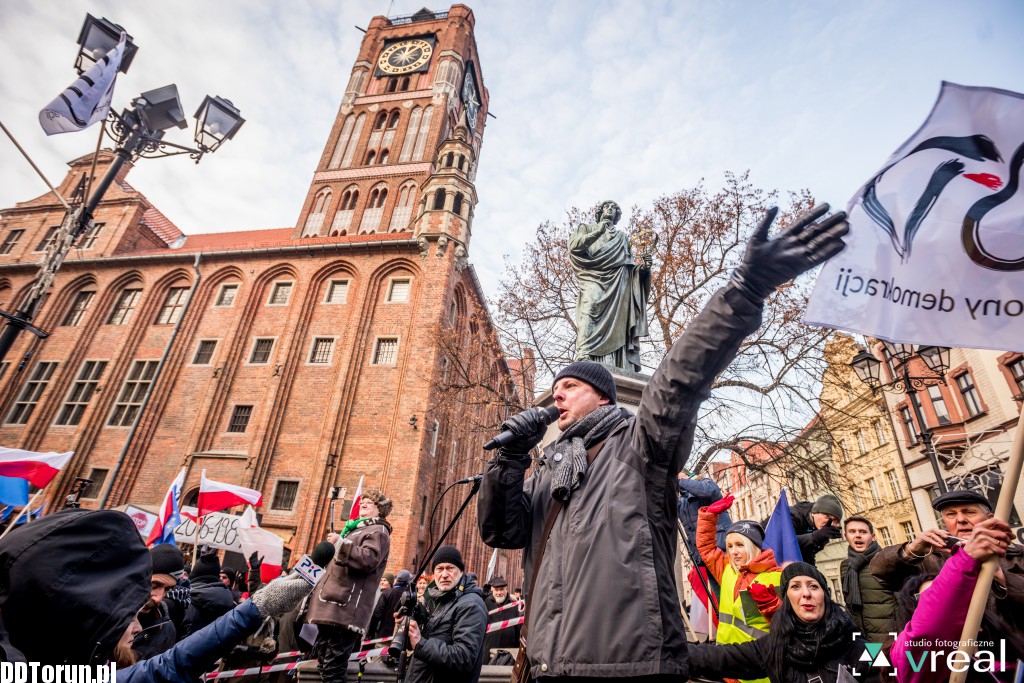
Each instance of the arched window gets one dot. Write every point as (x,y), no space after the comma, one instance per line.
(439,199)
(374,209)
(448,160)
(383,158)
(462,162)
(421,134)
(371,156)
(355,85)
(346,146)
(403,85)
(380,121)
(403,207)
(315,219)
(343,217)
(393,120)
(382,135)
(448,76)
(457,205)
(392,85)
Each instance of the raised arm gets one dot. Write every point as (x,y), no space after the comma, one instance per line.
(668,408)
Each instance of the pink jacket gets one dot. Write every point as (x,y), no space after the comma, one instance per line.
(939,616)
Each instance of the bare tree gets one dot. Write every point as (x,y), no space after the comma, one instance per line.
(768,394)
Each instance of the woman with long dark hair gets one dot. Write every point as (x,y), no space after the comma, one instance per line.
(810,636)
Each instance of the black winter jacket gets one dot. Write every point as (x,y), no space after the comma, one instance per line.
(800,513)
(506,637)
(618,532)
(452,647)
(158,633)
(210,599)
(746,660)
(382,623)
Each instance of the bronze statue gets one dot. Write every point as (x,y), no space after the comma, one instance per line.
(611,310)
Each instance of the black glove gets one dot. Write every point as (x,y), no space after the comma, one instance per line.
(799,247)
(825,534)
(254,583)
(529,428)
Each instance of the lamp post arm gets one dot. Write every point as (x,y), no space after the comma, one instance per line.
(925,434)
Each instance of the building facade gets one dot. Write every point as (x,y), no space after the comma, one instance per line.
(289,360)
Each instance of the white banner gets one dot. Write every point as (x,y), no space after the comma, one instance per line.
(935,253)
(218,531)
(87,100)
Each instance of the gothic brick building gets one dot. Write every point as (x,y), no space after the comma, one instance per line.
(287,360)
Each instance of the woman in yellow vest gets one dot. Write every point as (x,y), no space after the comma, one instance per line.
(748,576)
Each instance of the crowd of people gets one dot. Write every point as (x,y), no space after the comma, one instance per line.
(601,509)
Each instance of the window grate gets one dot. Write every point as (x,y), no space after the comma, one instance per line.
(240,419)
(285,493)
(322,348)
(386,352)
(261,351)
(204,352)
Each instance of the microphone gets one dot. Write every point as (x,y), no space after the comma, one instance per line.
(470,480)
(547,416)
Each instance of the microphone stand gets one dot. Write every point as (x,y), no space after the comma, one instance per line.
(408,600)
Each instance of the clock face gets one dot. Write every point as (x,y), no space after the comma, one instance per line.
(470,100)
(405,56)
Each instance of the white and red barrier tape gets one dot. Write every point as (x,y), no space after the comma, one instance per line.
(284,655)
(520,604)
(366,654)
(508,623)
(236,673)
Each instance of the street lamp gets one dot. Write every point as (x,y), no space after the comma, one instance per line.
(138,131)
(936,358)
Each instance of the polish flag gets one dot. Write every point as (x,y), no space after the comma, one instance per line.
(169,517)
(266,544)
(354,514)
(38,468)
(215,496)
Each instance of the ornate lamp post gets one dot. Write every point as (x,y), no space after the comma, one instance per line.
(936,358)
(138,132)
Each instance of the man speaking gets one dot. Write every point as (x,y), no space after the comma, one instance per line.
(606,488)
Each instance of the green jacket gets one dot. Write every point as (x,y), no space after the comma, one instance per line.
(876,618)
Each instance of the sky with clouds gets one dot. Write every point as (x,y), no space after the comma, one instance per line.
(593,99)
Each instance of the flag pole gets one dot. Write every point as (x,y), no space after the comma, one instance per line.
(988,570)
(36,168)
(24,509)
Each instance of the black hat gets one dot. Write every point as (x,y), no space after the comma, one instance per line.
(404,578)
(594,374)
(167,559)
(748,528)
(961,497)
(499,582)
(828,505)
(796,569)
(206,565)
(448,554)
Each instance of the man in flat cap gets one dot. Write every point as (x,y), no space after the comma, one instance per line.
(606,489)
(961,512)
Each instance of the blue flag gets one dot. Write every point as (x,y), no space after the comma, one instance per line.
(780,535)
(13,491)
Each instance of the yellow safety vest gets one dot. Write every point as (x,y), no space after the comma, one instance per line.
(733,625)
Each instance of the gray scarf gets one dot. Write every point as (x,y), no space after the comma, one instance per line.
(568,455)
(851,579)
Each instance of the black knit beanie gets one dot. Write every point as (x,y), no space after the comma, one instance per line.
(167,559)
(206,565)
(594,374)
(802,569)
(448,554)
(750,529)
(828,505)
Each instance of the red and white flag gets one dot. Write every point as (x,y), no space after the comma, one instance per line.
(38,468)
(354,514)
(215,496)
(266,544)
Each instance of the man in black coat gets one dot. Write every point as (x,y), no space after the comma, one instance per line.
(382,623)
(210,598)
(499,597)
(448,643)
(815,524)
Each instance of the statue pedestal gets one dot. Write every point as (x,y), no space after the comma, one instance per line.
(629,386)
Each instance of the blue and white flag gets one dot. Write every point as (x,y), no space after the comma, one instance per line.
(780,535)
(935,253)
(87,100)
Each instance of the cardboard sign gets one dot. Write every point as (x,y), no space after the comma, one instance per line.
(218,531)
